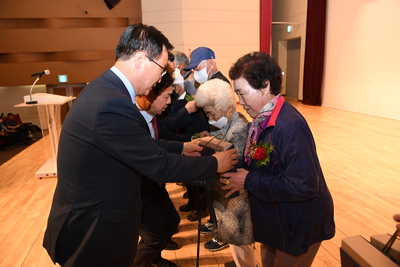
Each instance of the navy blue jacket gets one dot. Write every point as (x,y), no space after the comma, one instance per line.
(291,205)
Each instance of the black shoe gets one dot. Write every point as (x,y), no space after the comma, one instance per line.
(171,245)
(187,207)
(163,263)
(215,244)
(207,228)
(194,215)
(230,264)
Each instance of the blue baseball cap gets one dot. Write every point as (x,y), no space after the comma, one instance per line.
(198,55)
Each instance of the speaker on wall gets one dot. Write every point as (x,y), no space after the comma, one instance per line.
(111,3)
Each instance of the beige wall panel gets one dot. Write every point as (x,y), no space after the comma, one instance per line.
(204,5)
(217,16)
(149,6)
(231,29)
(222,33)
(169,22)
(224,5)
(227,41)
(173,31)
(161,16)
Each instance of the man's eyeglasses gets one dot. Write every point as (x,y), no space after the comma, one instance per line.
(164,69)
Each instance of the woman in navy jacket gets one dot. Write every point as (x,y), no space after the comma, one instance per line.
(291,206)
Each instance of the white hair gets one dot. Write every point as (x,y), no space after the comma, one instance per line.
(216,93)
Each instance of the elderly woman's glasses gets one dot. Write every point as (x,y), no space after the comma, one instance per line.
(164,69)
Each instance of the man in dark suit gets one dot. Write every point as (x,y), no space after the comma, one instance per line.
(105,147)
(160,219)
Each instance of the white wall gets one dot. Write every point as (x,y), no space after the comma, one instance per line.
(362,72)
(230,28)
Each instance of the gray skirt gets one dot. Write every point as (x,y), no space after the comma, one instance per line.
(233,219)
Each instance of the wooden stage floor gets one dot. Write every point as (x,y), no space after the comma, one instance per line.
(360,156)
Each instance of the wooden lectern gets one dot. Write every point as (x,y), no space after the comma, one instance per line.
(49,107)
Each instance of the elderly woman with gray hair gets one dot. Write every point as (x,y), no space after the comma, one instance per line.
(216,97)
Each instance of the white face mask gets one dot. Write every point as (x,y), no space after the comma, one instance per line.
(219,123)
(178,77)
(201,76)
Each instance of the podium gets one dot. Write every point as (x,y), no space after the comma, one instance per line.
(49,107)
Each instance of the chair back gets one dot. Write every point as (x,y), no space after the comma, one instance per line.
(16,118)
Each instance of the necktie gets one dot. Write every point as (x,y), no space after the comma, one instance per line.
(155,128)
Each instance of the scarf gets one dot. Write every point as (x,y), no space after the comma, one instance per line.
(255,126)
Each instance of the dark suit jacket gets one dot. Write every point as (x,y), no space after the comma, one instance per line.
(219,75)
(164,133)
(104,149)
(173,120)
(176,118)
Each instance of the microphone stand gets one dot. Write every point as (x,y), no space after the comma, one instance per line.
(30,92)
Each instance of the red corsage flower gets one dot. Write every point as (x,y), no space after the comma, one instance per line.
(260,152)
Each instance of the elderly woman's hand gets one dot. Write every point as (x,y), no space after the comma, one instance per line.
(234,181)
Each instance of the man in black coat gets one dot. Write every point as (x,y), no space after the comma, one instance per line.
(105,147)
(160,219)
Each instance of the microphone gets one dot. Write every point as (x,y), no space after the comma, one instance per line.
(47,72)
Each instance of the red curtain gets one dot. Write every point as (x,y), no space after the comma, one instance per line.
(265,25)
(314,52)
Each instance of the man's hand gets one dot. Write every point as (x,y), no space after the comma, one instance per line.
(226,160)
(192,148)
(396,217)
(191,106)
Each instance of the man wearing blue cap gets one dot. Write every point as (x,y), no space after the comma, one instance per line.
(202,61)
